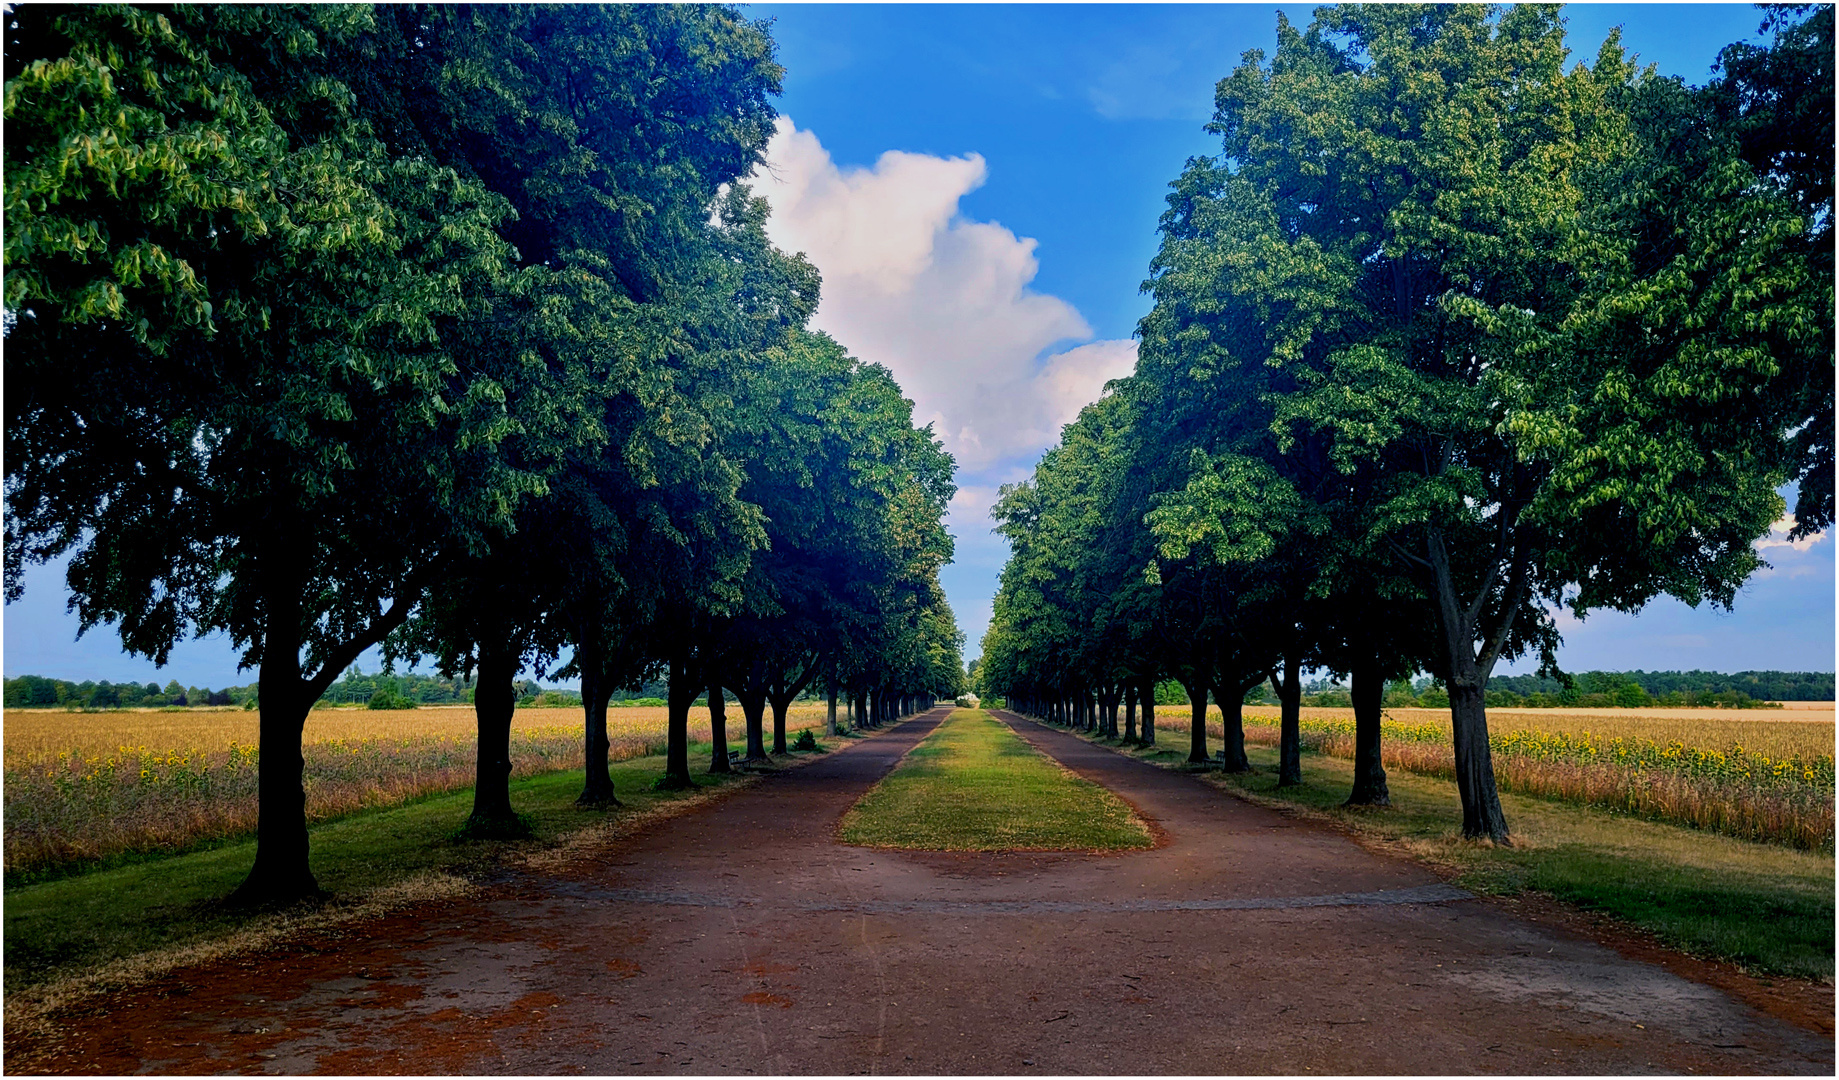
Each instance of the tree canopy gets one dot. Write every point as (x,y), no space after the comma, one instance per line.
(321,318)
(1445,336)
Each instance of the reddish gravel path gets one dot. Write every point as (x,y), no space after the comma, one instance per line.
(742,938)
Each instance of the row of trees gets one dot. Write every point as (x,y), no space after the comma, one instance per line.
(1445,336)
(450,329)
(36,691)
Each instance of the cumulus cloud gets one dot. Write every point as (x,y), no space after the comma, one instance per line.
(942,301)
(1778,537)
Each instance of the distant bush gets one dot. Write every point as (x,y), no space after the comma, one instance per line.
(388,697)
(640,703)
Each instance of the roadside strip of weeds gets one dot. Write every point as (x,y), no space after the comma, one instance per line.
(1765,907)
(974,785)
(122,926)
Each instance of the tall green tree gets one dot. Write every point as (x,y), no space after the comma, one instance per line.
(1776,100)
(611,130)
(1504,294)
(253,381)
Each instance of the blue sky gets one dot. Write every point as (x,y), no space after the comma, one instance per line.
(980,187)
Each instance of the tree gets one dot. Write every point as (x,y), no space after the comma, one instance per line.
(253,387)
(1502,292)
(576,116)
(1777,101)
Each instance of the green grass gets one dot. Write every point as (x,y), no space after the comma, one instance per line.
(1765,907)
(73,924)
(973,785)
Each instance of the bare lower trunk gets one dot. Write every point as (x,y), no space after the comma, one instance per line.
(753,712)
(1481,801)
(779,707)
(1197,725)
(1290,730)
(1149,712)
(494,704)
(830,717)
(1369,771)
(1232,716)
(1468,676)
(281,874)
(1130,712)
(683,690)
(718,729)
(596,689)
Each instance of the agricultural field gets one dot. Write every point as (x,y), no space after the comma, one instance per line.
(1770,780)
(82,788)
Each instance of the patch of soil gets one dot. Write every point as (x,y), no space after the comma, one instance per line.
(1801,1002)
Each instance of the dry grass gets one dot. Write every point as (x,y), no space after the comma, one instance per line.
(1798,733)
(1771,782)
(82,787)
(40,733)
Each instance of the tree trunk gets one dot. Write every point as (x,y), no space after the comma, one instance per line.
(752,697)
(1130,711)
(281,874)
(494,704)
(779,707)
(596,690)
(1481,802)
(1468,707)
(753,711)
(1232,717)
(1197,724)
(1290,731)
(830,718)
(683,690)
(1149,712)
(1369,772)
(718,729)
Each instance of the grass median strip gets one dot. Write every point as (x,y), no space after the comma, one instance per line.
(974,785)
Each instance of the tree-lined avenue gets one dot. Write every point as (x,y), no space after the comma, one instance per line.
(742,937)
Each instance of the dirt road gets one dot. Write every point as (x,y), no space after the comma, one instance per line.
(743,938)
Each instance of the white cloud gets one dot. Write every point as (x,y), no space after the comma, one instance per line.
(942,301)
(1778,537)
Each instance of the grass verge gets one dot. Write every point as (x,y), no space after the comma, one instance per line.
(125,917)
(973,785)
(1764,907)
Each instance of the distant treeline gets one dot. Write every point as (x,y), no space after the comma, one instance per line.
(381,690)
(35,691)
(1590,690)
(1667,686)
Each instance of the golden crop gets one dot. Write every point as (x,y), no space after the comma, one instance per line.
(1767,780)
(83,786)
(34,734)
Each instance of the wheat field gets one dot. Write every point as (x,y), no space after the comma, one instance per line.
(1788,733)
(86,786)
(1715,769)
